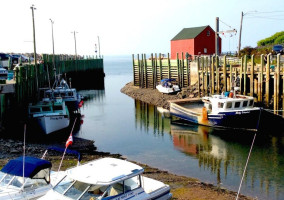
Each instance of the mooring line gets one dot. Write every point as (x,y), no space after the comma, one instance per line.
(245,167)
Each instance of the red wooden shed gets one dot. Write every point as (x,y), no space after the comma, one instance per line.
(195,41)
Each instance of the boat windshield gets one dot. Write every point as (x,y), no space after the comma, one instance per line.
(78,190)
(7,180)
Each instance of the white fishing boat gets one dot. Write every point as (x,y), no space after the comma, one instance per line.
(31,183)
(168,86)
(107,178)
(50,115)
(227,110)
(70,95)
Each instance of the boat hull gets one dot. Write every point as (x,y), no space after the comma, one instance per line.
(50,124)
(167,90)
(236,119)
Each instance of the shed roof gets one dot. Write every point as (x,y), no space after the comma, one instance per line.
(189,33)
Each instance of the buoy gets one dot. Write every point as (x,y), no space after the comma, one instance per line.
(204,114)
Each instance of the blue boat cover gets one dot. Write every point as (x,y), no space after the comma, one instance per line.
(32,166)
(68,151)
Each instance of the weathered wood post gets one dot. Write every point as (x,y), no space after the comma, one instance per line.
(202,75)
(231,78)
(198,76)
(212,77)
(178,73)
(146,71)
(160,59)
(182,69)
(225,73)
(187,70)
(245,75)
(206,76)
(153,71)
(217,75)
(260,96)
(267,79)
(276,92)
(156,69)
(241,73)
(169,66)
(133,64)
(252,76)
(142,71)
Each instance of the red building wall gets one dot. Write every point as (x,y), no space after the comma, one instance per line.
(203,41)
(197,45)
(179,46)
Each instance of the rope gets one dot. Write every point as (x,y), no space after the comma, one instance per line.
(245,167)
(271,110)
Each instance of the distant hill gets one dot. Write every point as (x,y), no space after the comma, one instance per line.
(277,38)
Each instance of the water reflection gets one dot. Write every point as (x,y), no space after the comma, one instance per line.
(147,115)
(223,153)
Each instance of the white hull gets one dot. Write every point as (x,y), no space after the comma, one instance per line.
(167,90)
(53,123)
(36,192)
(151,189)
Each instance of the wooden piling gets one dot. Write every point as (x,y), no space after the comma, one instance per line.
(212,76)
(225,74)
(198,76)
(245,75)
(251,76)
(206,76)
(267,79)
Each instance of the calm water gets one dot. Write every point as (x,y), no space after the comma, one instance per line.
(119,124)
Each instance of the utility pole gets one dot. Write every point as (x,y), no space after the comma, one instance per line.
(217,37)
(33,8)
(75,43)
(99,47)
(240,36)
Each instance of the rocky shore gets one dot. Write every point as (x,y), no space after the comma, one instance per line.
(181,187)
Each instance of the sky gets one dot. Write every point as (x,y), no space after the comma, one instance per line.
(130,26)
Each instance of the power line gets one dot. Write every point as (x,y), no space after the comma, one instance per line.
(272,18)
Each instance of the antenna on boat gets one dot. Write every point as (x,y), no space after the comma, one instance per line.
(24,152)
(245,167)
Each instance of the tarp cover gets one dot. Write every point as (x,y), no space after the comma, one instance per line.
(32,166)
(68,151)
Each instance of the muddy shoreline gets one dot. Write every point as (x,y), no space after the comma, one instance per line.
(181,187)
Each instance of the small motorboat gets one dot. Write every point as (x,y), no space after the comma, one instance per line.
(31,183)
(168,86)
(227,110)
(29,177)
(50,115)
(107,178)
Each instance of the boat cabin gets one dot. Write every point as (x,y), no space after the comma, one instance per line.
(222,103)
(47,106)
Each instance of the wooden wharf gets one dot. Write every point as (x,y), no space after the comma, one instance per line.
(24,87)
(258,76)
